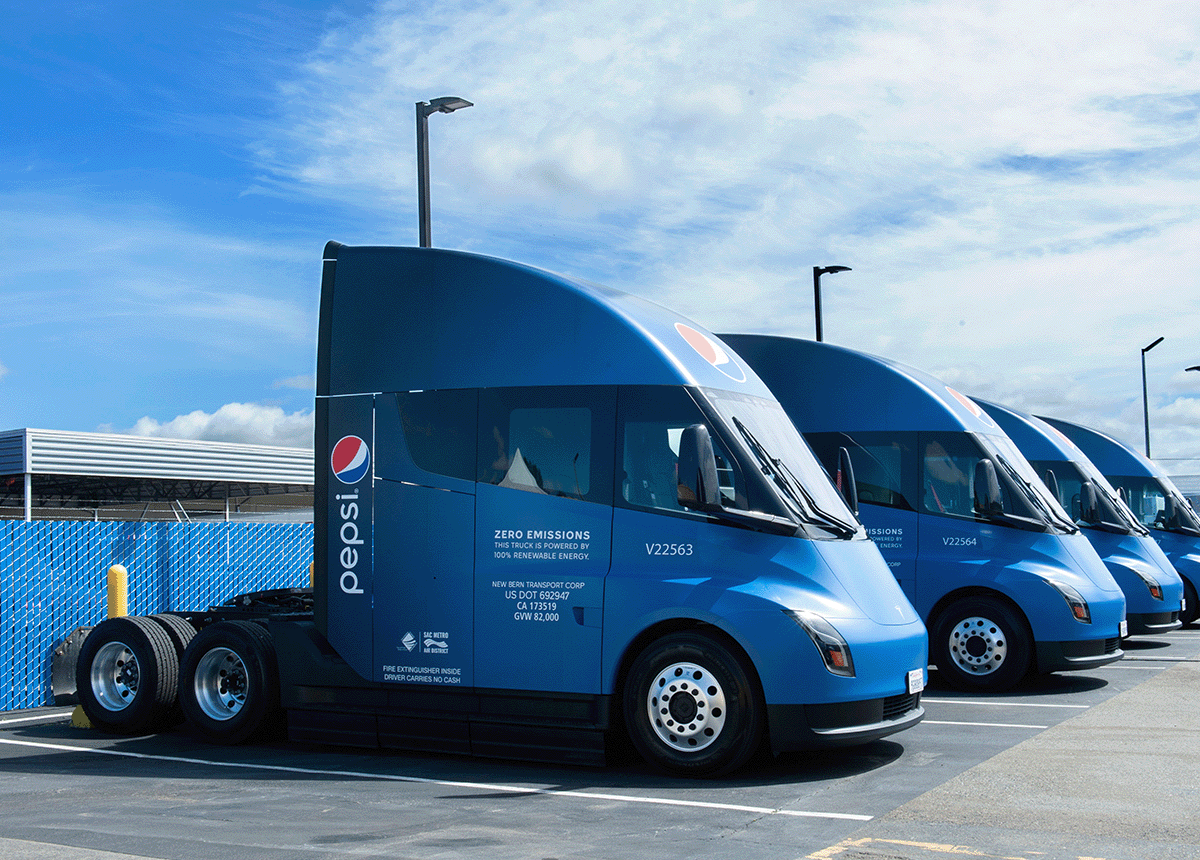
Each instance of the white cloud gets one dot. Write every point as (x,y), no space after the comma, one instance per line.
(300,383)
(1014,184)
(3,371)
(249,423)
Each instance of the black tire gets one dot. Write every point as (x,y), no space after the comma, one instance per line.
(178,630)
(127,676)
(229,683)
(692,706)
(981,644)
(1192,610)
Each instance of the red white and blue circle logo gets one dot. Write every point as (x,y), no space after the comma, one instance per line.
(711,351)
(351,459)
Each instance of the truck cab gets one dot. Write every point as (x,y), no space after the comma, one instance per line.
(1153,590)
(1006,583)
(1154,500)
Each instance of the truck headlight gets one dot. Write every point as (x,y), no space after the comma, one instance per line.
(1151,583)
(1079,607)
(834,650)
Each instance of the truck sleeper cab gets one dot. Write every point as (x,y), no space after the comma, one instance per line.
(549,511)
(1001,575)
(1153,499)
(1153,590)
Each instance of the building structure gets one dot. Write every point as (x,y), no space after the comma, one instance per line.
(69,475)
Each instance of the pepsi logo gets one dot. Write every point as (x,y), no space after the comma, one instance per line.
(972,407)
(711,351)
(350,460)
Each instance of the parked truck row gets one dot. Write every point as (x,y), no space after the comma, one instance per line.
(556,517)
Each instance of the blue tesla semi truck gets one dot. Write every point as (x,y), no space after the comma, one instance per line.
(1154,500)
(546,512)
(1001,575)
(1153,590)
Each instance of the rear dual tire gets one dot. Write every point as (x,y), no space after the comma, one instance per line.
(229,683)
(127,675)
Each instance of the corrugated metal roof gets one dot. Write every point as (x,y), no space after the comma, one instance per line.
(66,452)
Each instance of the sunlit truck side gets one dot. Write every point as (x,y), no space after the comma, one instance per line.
(1153,590)
(548,513)
(1153,498)
(1004,580)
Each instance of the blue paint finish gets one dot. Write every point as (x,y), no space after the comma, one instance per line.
(1148,491)
(1126,547)
(522,520)
(896,414)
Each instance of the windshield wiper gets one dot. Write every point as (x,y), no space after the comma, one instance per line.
(794,489)
(1024,522)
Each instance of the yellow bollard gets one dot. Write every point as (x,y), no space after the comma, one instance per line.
(118,591)
(310,574)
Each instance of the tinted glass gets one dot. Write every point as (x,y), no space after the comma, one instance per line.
(440,430)
(556,441)
(885,464)
(650,422)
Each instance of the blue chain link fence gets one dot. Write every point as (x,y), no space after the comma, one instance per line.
(53,579)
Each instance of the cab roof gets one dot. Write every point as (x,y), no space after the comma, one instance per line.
(1036,439)
(405,319)
(827,388)
(1110,456)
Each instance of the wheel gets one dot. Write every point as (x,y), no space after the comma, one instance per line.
(127,675)
(980,643)
(178,630)
(229,682)
(692,707)
(1192,612)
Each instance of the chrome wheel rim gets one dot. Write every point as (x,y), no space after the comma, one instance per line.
(220,684)
(115,676)
(686,706)
(978,645)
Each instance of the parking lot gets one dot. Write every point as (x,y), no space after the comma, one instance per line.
(1096,765)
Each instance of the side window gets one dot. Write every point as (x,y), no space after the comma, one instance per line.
(650,423)
(552,440)
(884,464)
(948,475)
(440,430)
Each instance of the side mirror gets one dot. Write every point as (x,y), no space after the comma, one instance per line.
(697,489)
(845,480)
(1087,503)
(1051,483)
(987,488)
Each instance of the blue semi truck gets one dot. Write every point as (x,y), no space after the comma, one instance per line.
(548,514)
(1154,500)
(1153,590)
(1000,573)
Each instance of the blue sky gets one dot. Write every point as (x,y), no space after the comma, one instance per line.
(1014,185)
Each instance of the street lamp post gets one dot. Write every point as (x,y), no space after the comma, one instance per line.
(446,104)
(1145,398)
(817,272)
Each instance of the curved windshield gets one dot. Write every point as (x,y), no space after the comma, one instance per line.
(1157,504)
(1112,514)
(1023,481)
(783,457)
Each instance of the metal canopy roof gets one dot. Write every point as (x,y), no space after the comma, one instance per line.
(59,470)
(64,452)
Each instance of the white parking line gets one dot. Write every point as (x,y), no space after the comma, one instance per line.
(484,786)
(984,725)
(999,704)
(39,719)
